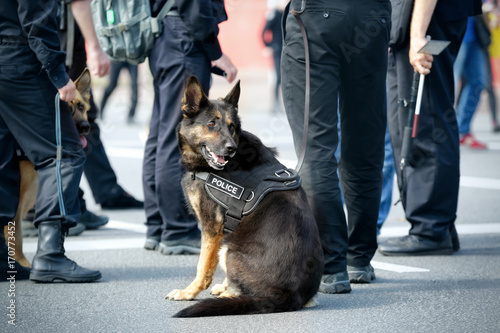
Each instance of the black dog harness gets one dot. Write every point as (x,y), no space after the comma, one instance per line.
(239,192)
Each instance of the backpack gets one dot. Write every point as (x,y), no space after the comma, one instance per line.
(125,29)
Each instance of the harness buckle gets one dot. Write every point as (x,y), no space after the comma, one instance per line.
(277,173)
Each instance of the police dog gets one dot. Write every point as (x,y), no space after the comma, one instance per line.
(273,261)
(29,177)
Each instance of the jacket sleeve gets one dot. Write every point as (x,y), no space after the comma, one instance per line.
(203,18)
(39,22)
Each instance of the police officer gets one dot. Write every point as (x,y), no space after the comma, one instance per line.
(348,43)
(429,184)
(31,73)
(187,46)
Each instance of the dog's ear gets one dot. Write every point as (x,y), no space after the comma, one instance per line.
(193,97)
(83,83)
(234,95)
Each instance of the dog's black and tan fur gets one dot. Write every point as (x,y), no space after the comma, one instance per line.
(273,261)
(29,177)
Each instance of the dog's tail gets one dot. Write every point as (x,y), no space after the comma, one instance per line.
(240,305)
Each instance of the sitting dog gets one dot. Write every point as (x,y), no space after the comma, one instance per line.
(29,177)
(251,208)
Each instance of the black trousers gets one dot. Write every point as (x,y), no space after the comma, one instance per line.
(28,116)
(174,58)
(348,43)
(429,185)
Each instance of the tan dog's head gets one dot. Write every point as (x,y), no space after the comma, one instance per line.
(81,104)
(209,132)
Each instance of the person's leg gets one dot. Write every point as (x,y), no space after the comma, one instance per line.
(171,63)
(430,181)
(474,71)
(388,184)
(99,172)
(116,68)
(363,113)
(133,70)
(38,134)
(319,170)
(9,192)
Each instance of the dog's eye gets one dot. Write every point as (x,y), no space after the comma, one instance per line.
(80,106)
(231,129)
(211,123)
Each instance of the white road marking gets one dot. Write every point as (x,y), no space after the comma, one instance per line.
(484,183)
(462,229)
(76,244)
(397,268)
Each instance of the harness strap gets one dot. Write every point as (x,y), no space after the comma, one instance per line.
(240,201)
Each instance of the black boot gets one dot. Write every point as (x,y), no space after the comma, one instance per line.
(51,264)
(9,268)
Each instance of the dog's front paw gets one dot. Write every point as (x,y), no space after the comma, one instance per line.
(218,289)
(180,295)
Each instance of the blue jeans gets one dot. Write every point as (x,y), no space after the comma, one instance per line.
(470,64)
(387,185)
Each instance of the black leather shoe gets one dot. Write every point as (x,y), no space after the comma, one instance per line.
(91,220)
(122,201)
(50,262)
(413,245)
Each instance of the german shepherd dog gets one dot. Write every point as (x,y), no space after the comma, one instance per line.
(273,261)
(29,177)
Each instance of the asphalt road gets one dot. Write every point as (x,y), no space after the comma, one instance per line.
(458,293)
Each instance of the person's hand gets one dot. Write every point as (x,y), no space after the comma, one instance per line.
(68,92)
(421,62)
(227,66)
(98,62)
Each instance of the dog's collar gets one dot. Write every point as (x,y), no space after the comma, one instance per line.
(238,200)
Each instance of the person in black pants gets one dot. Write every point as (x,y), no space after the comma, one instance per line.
(429,184)
(98,171)
(116,68)
(348,43)
(187,46)
(32,72)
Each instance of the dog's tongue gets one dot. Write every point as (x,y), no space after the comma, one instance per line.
(220,159)
(83,141)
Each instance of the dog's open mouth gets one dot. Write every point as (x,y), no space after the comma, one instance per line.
(215,161)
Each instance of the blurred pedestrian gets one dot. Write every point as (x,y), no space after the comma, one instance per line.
(470,68)
(116,68)
(272,38)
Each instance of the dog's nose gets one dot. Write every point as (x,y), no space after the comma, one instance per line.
(83,128)
(230,148)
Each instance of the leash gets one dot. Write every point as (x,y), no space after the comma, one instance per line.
(59,155)
(297,14)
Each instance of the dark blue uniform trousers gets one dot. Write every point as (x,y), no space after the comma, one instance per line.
(28,116)
(173,59)
(429,185)
(348,48)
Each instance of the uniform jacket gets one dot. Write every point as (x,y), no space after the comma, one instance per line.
(202,18)
(34,23)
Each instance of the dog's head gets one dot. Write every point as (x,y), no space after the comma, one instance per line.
(81,104)
(208,133)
